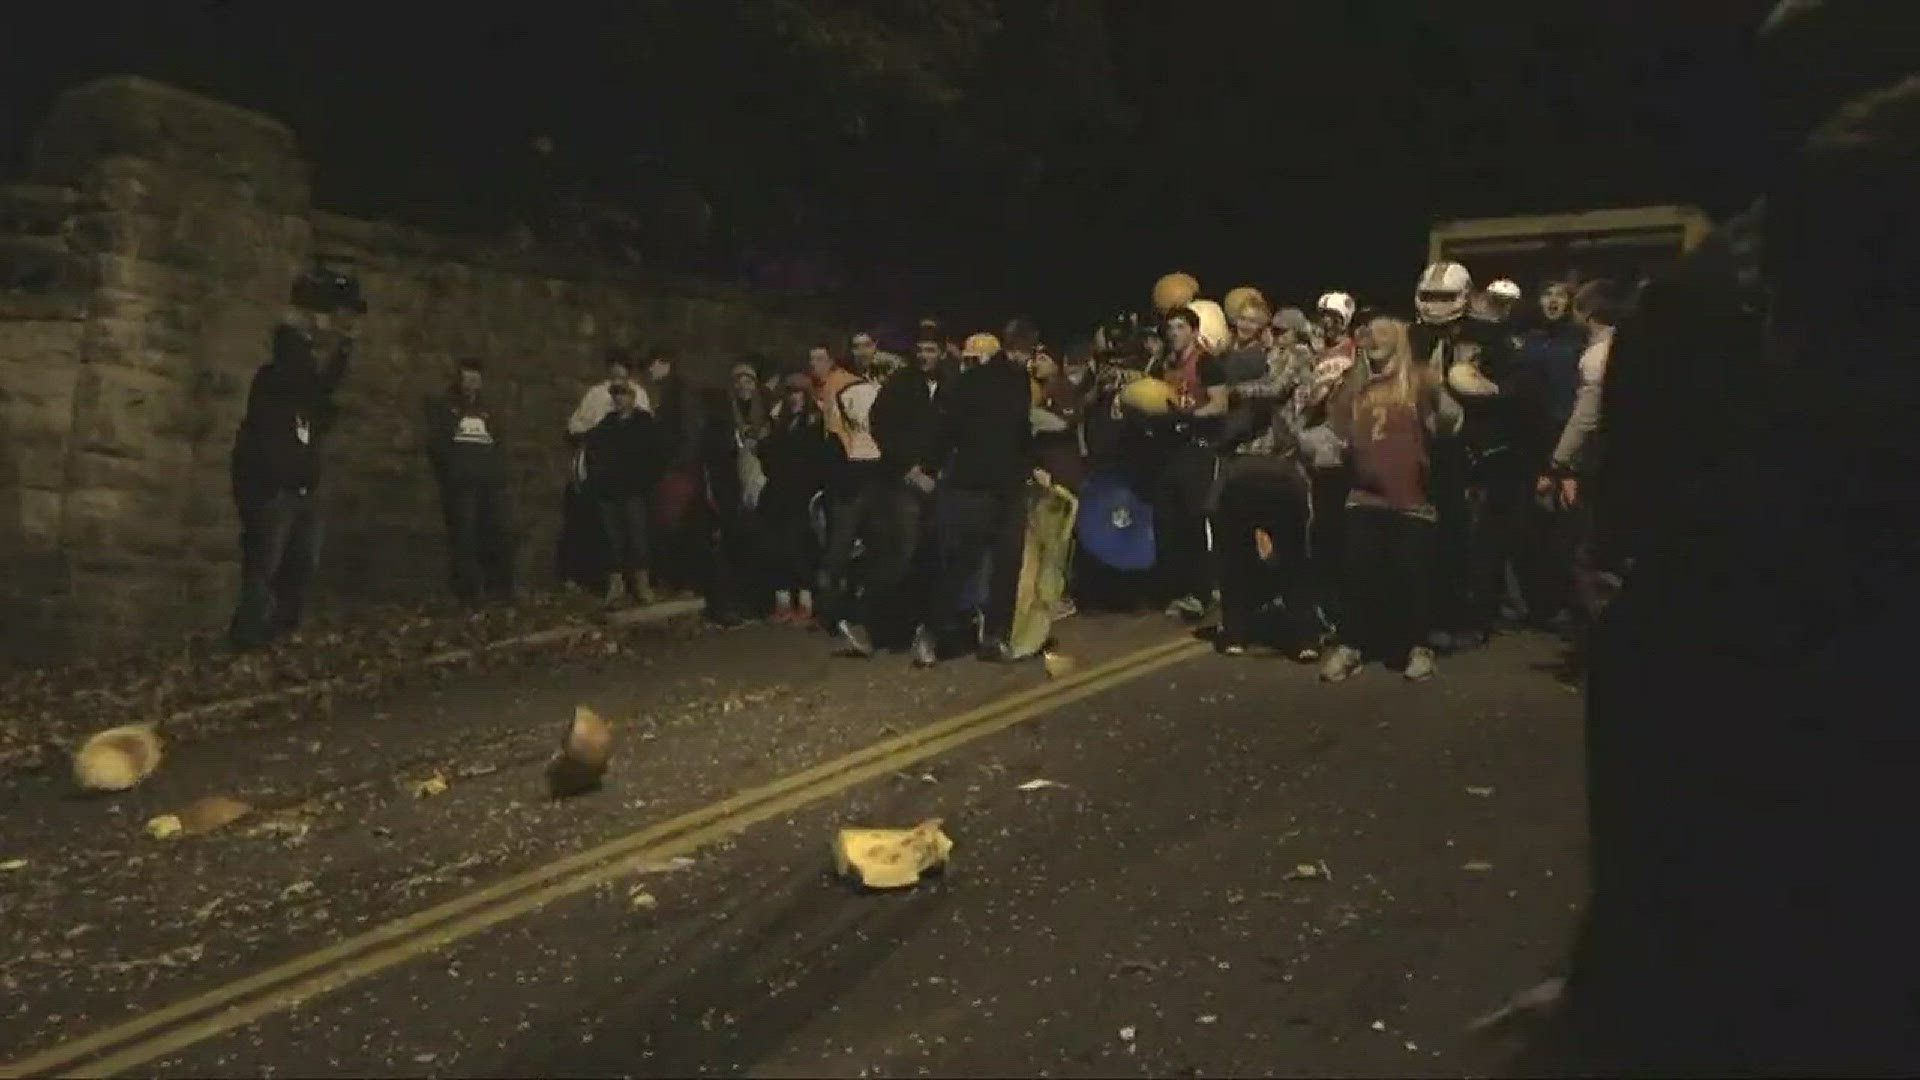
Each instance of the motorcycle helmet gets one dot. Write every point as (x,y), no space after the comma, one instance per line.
(1337,302)
(1441,295)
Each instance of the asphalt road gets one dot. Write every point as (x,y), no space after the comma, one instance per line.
(1145,914)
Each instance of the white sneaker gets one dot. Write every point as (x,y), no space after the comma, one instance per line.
(1420,665)
(1340,663)
(1187,607)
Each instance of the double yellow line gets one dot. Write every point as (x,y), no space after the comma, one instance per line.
(168,1030)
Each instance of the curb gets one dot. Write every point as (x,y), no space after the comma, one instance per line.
(180,726)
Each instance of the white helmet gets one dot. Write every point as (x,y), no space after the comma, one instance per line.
(1505,289)
(1441,295)
(1337,302)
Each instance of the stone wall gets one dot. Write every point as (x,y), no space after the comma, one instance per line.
(141,271)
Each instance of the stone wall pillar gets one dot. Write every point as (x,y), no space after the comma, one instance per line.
(192,214)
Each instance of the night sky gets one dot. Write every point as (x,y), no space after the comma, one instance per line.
(1297,146)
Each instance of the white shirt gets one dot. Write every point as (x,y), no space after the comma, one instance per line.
(598,402)
(856,411)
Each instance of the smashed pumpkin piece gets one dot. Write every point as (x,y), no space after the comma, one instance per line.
(891,858)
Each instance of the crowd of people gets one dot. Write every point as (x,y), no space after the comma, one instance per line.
(1352,485)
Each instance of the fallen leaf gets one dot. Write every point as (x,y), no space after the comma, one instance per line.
(641,900)
(1036,785)
(1316,871)
(1379,1025)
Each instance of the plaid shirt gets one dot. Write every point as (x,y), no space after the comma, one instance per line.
(1278,393)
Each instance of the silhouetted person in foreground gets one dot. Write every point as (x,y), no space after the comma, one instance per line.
(1751,735)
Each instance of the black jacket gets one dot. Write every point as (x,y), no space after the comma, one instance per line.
(289,408)
(797,455)
(984,428)
(906,421)
(464,440)
(1493,423)
(625,455)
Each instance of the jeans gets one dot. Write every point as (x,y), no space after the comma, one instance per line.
(884,514)
(624,520)
(973,525)
(479,540)
(1389,567)
(279,551)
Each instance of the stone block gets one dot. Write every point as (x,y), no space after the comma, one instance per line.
(33,521)
(127,114)
(128,413)
(36,398)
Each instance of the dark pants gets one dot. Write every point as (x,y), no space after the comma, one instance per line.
(1326,538)
(279,551)
(1182,482)
(479,537)
(1498,500)
(736,588)
(582,555)
(623,520)
(883,513)
(973,525)
(1252,498)
(1452,568)
(789,552)
(1389,569)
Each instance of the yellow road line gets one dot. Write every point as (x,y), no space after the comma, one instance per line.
(214,1012)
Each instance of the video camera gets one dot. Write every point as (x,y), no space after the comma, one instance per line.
(324,289)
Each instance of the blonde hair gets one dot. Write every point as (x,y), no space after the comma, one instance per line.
(1402,380)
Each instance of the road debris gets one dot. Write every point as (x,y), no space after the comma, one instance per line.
(1313,871)
(1209,1018)
(1037,784)
(1139,967)
(1058,666)
(640,899)
(165,827)
(1532,1001)
(1379,1025)
(891,858)
(429,787)
(1127,1033)
(1482,792)
(14,864)
(1477,866)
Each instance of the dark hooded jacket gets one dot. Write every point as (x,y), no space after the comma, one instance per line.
(464,440)
(906,421)
(289,410)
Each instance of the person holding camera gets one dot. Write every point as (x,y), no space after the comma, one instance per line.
(276,456)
